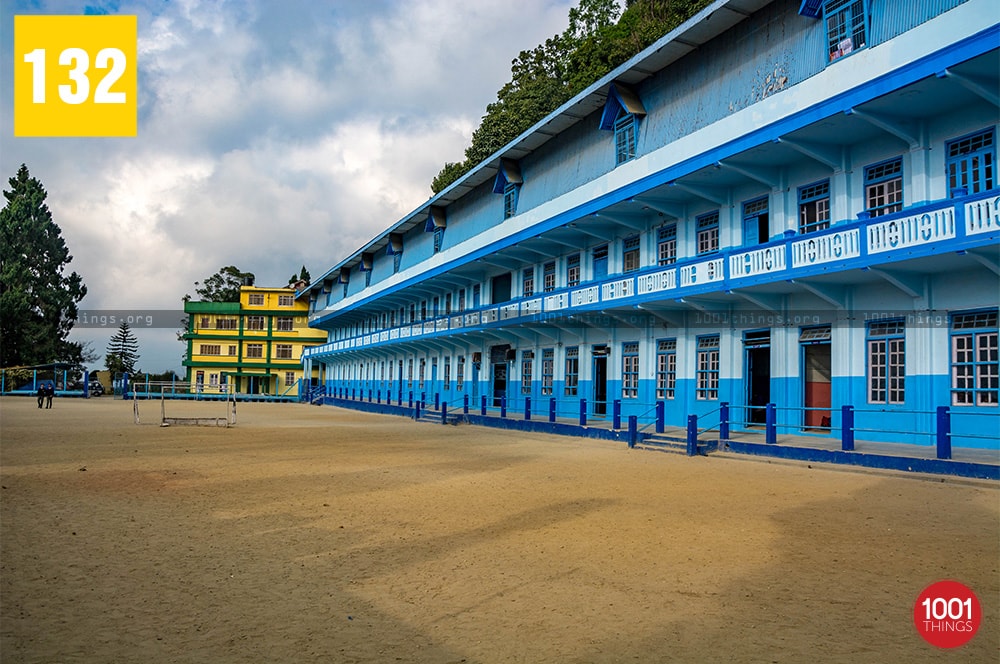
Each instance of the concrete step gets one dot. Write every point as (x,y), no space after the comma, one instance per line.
(675,444)
(434,417)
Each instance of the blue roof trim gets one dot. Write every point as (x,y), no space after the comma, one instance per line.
(811,8)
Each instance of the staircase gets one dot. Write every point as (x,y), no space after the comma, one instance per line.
(434,417)
(663,442)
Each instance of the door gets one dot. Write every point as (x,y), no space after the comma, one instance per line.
(757,347)
(600,382)
(498,372)
(501,288)
(600,262)
(816,376)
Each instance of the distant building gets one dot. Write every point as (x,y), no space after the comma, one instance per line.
(255,344)
(784,202)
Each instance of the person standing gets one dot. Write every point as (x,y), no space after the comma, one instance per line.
(40,393)
(50,391)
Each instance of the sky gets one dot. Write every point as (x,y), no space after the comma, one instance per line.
(272,134)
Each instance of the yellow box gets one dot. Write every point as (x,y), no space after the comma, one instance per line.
(75,76)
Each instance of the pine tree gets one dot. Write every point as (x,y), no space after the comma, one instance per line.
(122,351)
(37,299)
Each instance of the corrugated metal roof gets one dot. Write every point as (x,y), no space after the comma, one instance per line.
(696,31)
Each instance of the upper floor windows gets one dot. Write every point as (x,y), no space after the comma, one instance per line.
(255,299)
(528,282)
(756,226)
(846,22)
(630,254)
(971,163)
(508,182)
(573,270)
(286,300)
(708,232)
(622,112)
(814,207)
(666,244)
(549,276)
(884,187)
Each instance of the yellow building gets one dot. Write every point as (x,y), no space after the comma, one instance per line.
(254,344)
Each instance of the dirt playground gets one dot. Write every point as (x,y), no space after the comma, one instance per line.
(314,534)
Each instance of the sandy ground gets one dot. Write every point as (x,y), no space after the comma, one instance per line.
(310,534)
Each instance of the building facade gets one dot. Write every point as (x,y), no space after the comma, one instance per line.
(787,203)
(254,345)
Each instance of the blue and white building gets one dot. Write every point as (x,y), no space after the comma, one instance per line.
(780,202)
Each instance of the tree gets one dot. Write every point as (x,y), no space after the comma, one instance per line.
(303,276)
(122,351)
(37,299)
(224,285)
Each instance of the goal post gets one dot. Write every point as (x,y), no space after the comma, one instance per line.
(217,408)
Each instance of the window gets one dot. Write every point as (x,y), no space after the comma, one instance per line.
(756,229)
(625,130)
(527,360)
(572,378)
(255,322)
(814,207)
(461,300)
(971,162)
(289,378)
(447,373)
(286,300)
(285,324)
(435,307)
(666,244)
(225,324)
(409,373)
(528,282)
(447,304)
(283,351)
(630,370)
(232,350)
(423,372)
(845,26)
(708,232)
(460,373)
(548,368)
(211,349)
(630,254)
(884,187)
(573,270)
(413,312)
(549,276)
(423,310)
(509,200)
(886,361)
(255,299)
(599,262)
(707,368)
(438,238)
(255,350)
(213,380)
(204,322)
(975,367)
(666,368)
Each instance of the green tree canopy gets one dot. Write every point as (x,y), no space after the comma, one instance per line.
(598,39)
(224,285)
(37,299)
(122,351)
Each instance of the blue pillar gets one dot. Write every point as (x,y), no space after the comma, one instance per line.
(724,421)
(552,409)
(369,395)
(527,408)
(437,400)
(465,404)
(633,430)
(943,432)
(660,416)
(444,413)
(770,429)
(482,406)
(583,412)
(847,428)
(692,435)
(125,386)
(409,401)
(503,406)
(86,384)
(616,416)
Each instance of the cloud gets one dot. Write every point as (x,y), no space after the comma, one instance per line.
(272,134)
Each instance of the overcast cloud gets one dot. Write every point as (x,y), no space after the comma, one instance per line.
(272,134)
